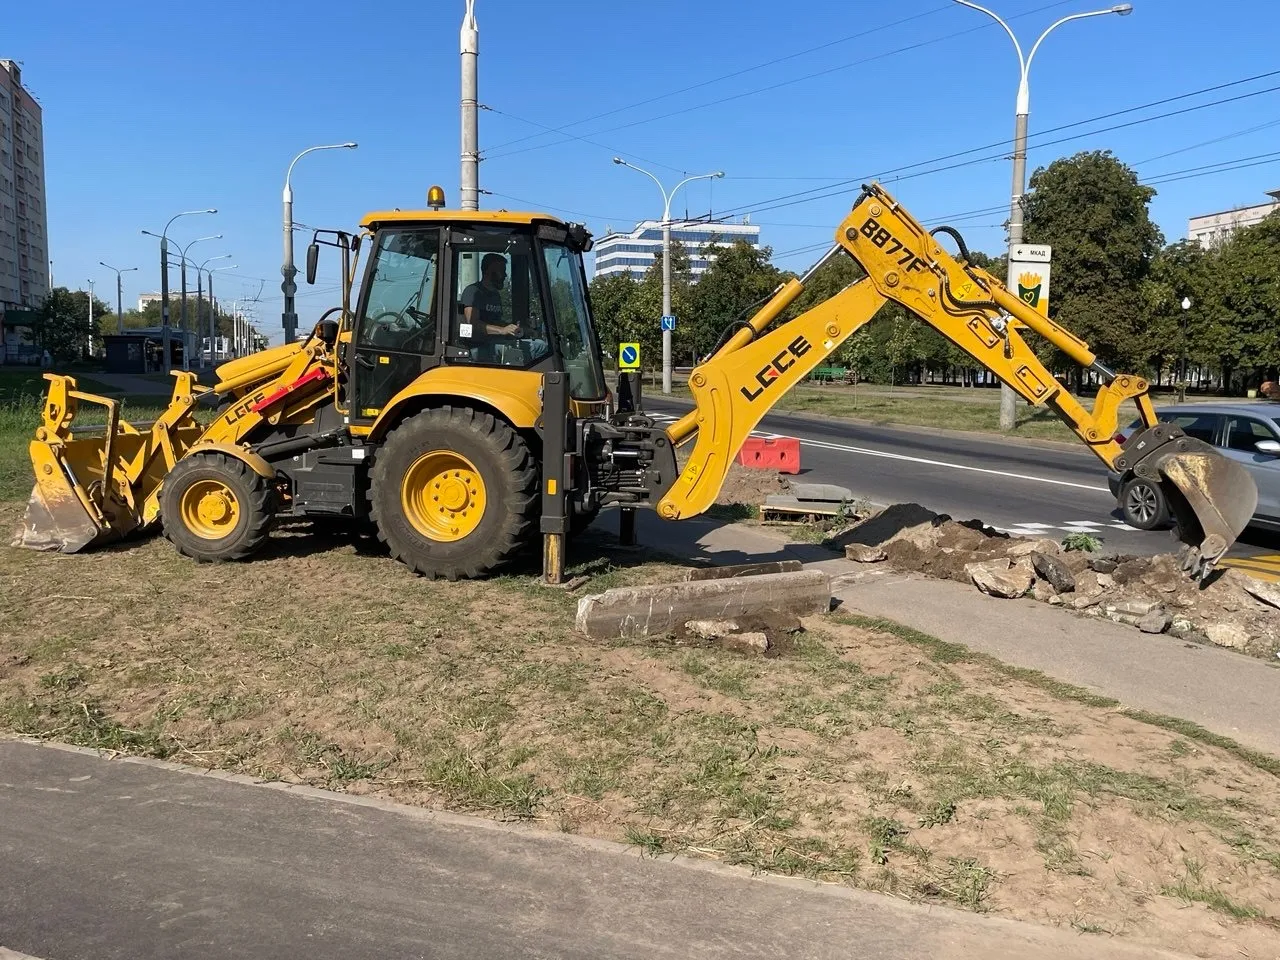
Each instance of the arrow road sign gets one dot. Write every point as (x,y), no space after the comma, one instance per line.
(669,322)
(628,356)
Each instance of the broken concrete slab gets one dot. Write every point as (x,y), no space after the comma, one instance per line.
(743,570)
(1103,564)
(997,579)
(659,609)
(1157,621)
(1052,569)
(1137,608)
(711,629)
(1022,548)
(1268,593)
(863,553)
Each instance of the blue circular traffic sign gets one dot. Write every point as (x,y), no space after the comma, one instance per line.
(629,355)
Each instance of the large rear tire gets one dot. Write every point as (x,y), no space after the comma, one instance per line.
(215,508)
(454,493)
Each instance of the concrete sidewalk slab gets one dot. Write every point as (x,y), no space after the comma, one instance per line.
(134,860)
(1226,692)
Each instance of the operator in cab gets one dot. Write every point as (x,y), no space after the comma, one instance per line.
(482,302)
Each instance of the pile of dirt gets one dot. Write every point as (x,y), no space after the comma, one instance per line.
(1153,593)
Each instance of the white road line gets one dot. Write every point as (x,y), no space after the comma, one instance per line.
(6,954)
(867,452)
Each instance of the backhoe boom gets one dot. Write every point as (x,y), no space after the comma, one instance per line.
(1212,497)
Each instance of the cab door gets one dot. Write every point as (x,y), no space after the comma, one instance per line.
(397,332)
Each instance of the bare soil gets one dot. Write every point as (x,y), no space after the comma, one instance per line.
(856,753)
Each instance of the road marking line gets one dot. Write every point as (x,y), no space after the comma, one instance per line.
(865,451)
(7,954)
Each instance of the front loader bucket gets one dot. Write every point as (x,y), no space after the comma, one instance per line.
(1212,498)
(60,514)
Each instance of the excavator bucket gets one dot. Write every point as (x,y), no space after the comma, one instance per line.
(1212,498)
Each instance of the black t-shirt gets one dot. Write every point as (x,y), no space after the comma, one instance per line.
(486,308)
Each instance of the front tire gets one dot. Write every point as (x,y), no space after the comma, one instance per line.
(1143,504)
(454,493)
(215,508)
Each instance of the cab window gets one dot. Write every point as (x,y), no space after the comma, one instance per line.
(497,300)
(400,312)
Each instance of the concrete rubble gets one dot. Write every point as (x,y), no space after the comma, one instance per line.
(1151,594)
(721,609)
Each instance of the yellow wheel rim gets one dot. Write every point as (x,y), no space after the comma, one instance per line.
(210,509)
(443,496)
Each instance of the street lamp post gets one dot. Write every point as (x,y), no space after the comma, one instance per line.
(1008,398)
(183,260)
(89,352)
(666,255)
(213,310)
(200,271)
(119,294)
(288,318)
(164,278)
(1182,380)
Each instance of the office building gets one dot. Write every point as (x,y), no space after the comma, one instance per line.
(1212,229)
(635,252)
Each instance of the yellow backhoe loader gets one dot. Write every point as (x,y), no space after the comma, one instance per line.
(460,402)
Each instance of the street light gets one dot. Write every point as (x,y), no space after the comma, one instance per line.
(666,255)
(119,294)
(164,278)
(183,260)
(1023,109)
(1182,383)
(89,355)
(288,317)
(200,292)
(213,308)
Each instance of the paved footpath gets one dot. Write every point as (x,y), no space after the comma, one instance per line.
(136,860)
(1226,692)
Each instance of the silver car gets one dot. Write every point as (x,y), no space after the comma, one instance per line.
(1246,432)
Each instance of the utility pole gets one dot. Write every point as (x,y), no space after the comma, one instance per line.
(469,44)
(164,279)
(666,256)
(1009,399)
(119,294)
(89,353)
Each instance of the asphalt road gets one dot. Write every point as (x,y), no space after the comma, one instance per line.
(103,859)
(1024,487)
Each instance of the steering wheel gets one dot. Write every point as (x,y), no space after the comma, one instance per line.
(408,321)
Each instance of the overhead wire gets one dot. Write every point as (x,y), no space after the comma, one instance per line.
(727,76)
(783,83)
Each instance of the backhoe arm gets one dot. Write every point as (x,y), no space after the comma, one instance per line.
(1212,497)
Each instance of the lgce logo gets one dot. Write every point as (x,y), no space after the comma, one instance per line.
(770,372)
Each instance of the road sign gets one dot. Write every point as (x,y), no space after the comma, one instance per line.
(628,356)
(1029,266)
(669,323)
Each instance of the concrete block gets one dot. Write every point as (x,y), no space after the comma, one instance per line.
(637,612)
(820,491)
(861,553)
(743,570)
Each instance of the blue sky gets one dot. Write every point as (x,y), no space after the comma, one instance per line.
(152,108)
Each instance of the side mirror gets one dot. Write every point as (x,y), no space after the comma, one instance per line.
(313,258)
(1269,447)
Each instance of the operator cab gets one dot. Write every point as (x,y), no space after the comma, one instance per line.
(473,289)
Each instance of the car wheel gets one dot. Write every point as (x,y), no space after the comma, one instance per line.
(1143,504)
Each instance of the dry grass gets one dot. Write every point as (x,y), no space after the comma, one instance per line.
(858,755)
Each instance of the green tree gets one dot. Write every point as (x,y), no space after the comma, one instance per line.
(1247,273)
(1094,212)
(65,330)
(740,276)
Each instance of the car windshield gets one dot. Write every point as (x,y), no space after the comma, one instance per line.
(572,321)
